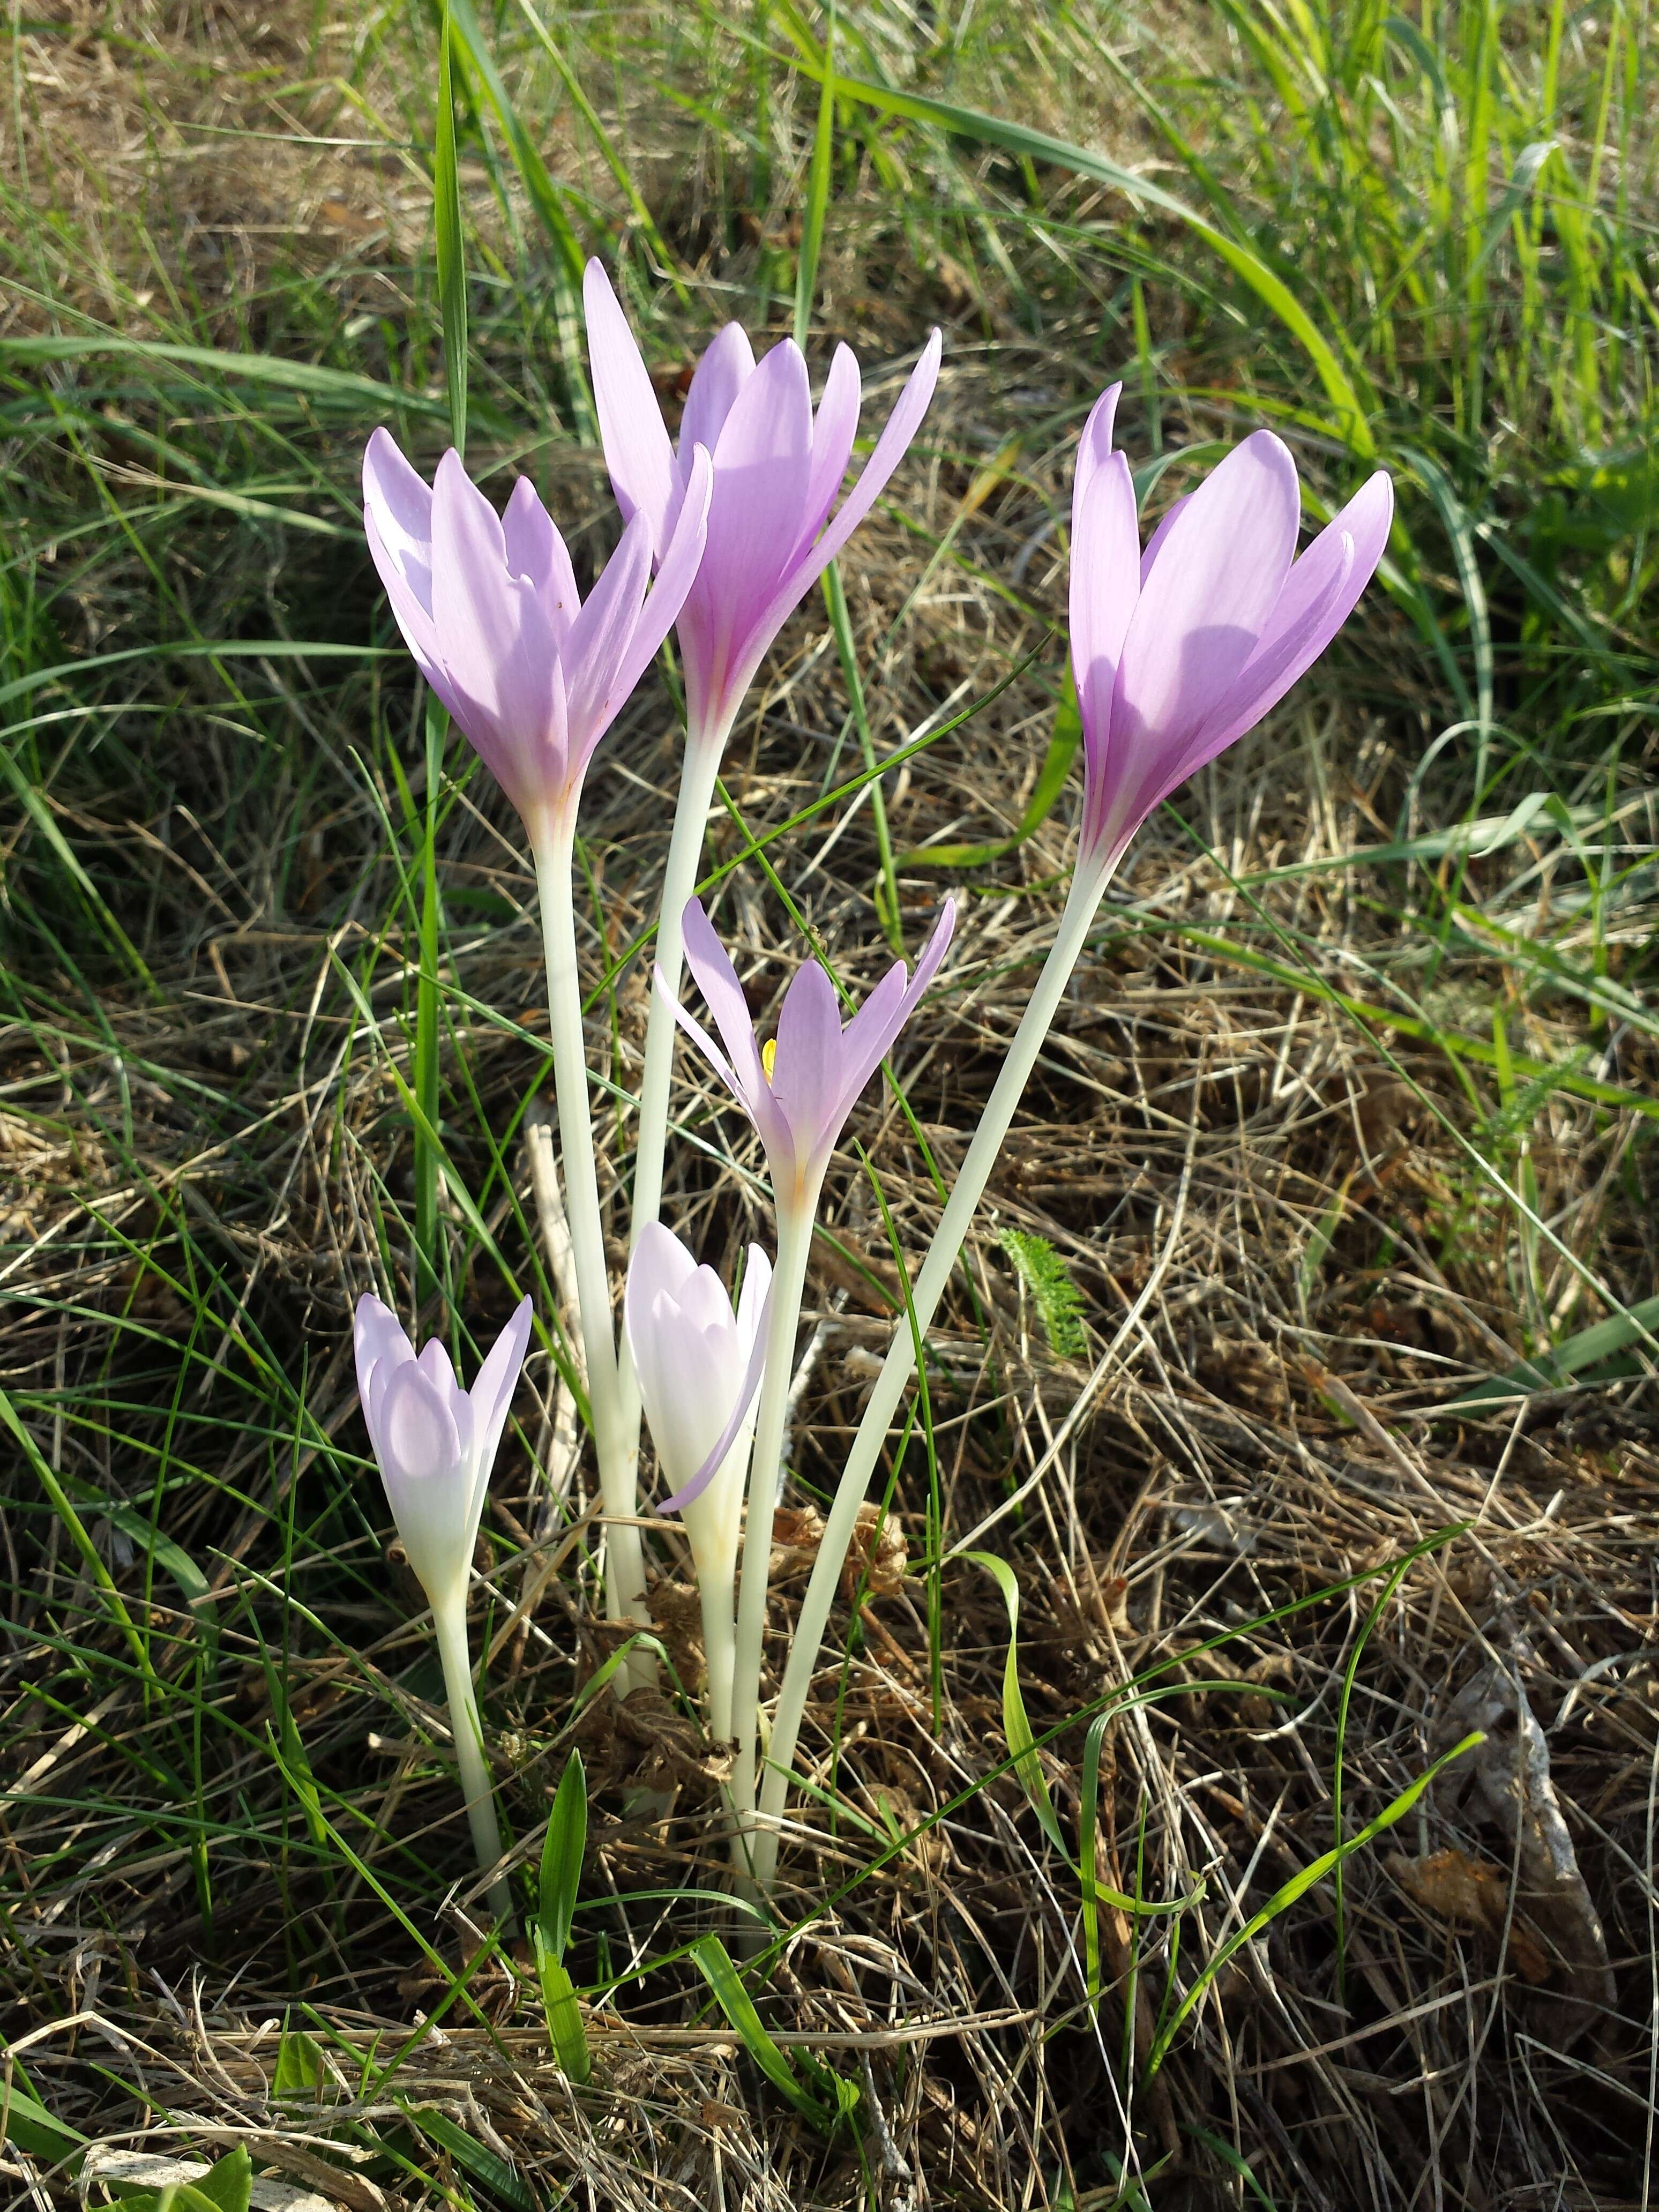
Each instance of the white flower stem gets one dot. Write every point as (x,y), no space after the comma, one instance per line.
(449,1620)
(617,1450)
(703,752)
(720,1651)
(1081,905)
(794,1220)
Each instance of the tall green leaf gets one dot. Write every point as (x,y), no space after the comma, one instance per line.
(822,2097)
(562,1852)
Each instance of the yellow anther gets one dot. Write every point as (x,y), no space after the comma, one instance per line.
(768,1054)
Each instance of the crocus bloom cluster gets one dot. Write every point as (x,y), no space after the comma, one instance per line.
(434,1444)
(778,468)
(1179,651)
(489,606)
(800,1091)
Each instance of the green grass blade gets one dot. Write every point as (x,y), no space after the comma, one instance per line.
(613,160)
(1051,778)
(452,257)
(828,2099)
(428,1017)
(1587,1353)
(473,2157)
(1298,1886)
(1350,1674)
(887,912)
(1017,1727)
(75,1528)
(565,2030)
(818,191)
(362,395)
(1087,1846)
(1351,411)
(547,201)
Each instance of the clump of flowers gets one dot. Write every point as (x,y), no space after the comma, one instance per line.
(1177,650)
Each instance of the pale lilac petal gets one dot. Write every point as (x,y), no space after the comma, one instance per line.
(1275,671)
(864,1046)
(727,364)
(675,576)
(434,1363)
(717,978)
(398,524)
(535,551)
(891,446)
(756,1098)
(1105,586)
(1207,597)
(869,1036)
(751,1299)
(491,1393)
(497,648)
(661,1264)
(636,448)
(1155,542)
(380,1343)
(806,1068)
(707,1311)
(596,651)
(414,616)
(762,463)
(425,1465)
(700,1037)
(1319,594)
(834,428)
(1364,524)
(690,1364)
(420,1439)
(1094,448)
(399,500)
(754,1368)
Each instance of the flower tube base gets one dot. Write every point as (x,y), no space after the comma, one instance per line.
(449,1620)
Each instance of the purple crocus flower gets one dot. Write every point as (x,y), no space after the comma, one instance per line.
(777,471)
(489,606)
(434,1444)
(799,1091)
(1179,651)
